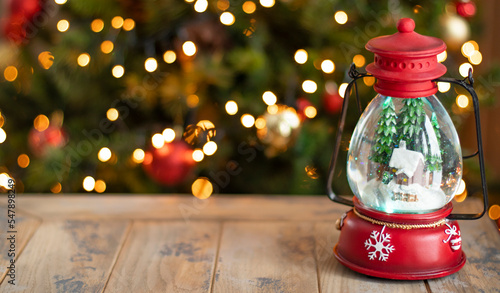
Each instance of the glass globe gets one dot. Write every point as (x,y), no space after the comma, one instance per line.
(404,155)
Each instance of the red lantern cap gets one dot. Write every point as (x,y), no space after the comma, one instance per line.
(406,62)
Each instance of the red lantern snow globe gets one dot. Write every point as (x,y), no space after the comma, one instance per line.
(404,166)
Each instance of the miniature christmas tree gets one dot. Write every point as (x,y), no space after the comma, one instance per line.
(412,117)
(385,134)
(434,161)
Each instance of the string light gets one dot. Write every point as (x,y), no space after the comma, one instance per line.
(443,87)
(201,6)
(117,22)
(62,25)
(3,135)
(23,160)
(138,156)
(169,57)
(272,109)
(249,7)
(104,154)
(442,56)
(118,71)
(310,112)
(189,48)
(342,89)
(128,24)
(88,183)
(209,148)
(309,86)
(41,122)
(168,134)
(60,2)
(231,107)
(462,101)
(198,155)
(269,98)
(301,56)
(227,18)
(267,3)
(202,188)
(107,47)
(157,140)
(150,64)
(100,186)
(45,59)
(464,69)
(56,188)
(2,120)
(10,73)
(340,17)
(468,49)
(97,25)
(359,60)
(369,80)
(328,66)
(4,181)
(247,120)
(83,60)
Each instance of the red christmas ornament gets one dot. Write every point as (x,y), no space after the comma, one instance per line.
(20,14)
(302,104)
(466,8)
(170,164)
(332,102)
(41,141)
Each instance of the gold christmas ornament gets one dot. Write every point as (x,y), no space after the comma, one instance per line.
(280,130)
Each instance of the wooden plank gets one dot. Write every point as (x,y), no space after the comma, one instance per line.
(481,273)
(334,277)
(164,256)
(25,226)
(184,207)
(69,256)
(266,257)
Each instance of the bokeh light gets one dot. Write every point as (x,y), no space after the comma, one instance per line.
(269,98)
(104,154)
(10,73)
(340,17)
(46,59)
(189,48)
(309,86)
(328,66)
(100,186)
(157,140)
(441,57)
(342,89)
(359,60)
(117,22)
(128,24)
(83,60)
(227,18)
(192,101)
(3,135)
(169,56)
(209,148)
(97,25)
(62,25)
(23,160)
(138,156)
(464,69)
(267,3)
(247,120)
(118,71)
(107,47)
(168,134)
(231,107)
(201,6)
(202,188)
(56,188)
(310,112)
(41,122)
(88,183)
(112,114)
(494,212)
(301,56)
(462,101)
(249,7)
(443,87)
(150,64)
(198,155)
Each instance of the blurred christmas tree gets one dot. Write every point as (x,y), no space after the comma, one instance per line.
(148,96)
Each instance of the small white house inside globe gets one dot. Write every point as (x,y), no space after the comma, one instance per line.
(404,155)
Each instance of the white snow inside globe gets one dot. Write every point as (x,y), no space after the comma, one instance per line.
(404,155)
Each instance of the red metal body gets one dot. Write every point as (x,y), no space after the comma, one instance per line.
(412,254)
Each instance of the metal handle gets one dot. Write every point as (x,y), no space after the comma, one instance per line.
(355,75)
(468,84)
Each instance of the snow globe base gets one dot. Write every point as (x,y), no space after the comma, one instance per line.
(399,246)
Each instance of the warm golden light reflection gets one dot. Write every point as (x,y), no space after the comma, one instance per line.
(267,3)
(201,6)
(462,101)
(442,56)
(359,60)
(10,73)
(249,7)
(443,87)
(494,212)
(342,89)
(128,24)
(56,188)
(309,86)
(464,69)
(260,123)
(112,114)
(3,135)
(227,18)
(117,22)
(118,71)
(312,172)
(62,25)
(150,64)
(100,186)
(198,155)
(138,156)
(369,80)
(168,134)
(310,112)
(157,140)
(104,154)
(209,148)
(189,48)
(192,101)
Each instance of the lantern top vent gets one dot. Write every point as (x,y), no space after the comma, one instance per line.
(405,63)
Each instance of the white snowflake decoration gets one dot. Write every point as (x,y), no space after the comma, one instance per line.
(381,245)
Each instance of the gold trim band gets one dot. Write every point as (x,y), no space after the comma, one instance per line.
(400,226)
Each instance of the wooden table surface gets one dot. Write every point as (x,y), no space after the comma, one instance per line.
(177,243)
